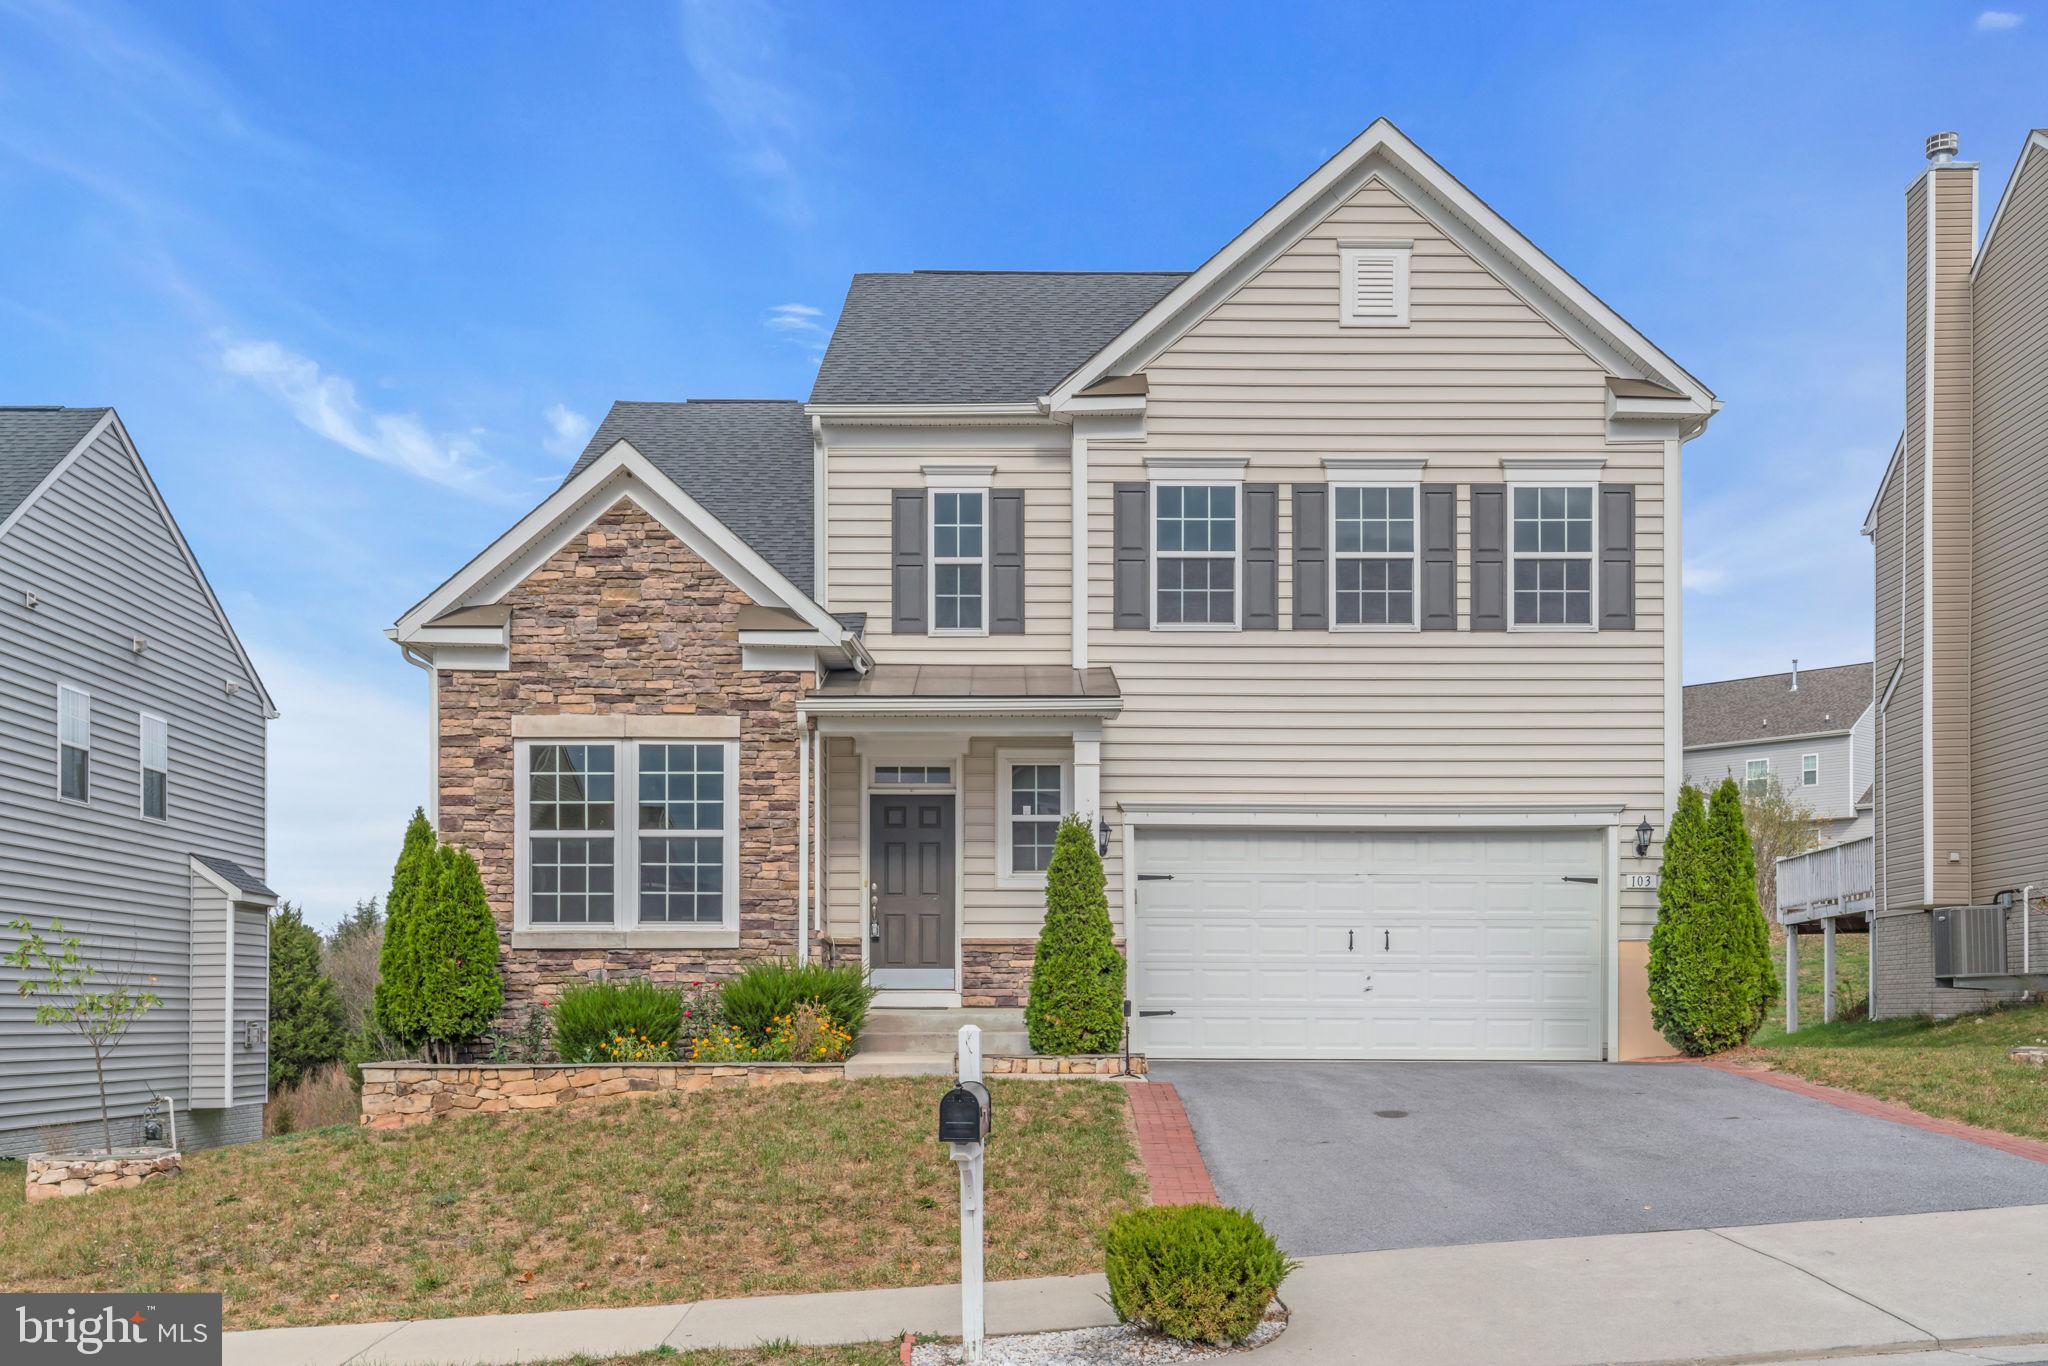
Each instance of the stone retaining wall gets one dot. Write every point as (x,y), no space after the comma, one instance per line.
(397,1095)
(53,1175)
(1073,1065)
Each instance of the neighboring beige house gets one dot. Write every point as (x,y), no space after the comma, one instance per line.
(1960,532)
(1810,731)
(1335,583)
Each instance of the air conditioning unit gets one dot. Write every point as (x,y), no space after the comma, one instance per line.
(1969,942)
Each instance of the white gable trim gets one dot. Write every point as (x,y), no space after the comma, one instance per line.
(1891,468)
(2037,141)
(620,473)
(1383,150)
(112,420)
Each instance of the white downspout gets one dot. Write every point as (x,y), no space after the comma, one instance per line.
(418,659)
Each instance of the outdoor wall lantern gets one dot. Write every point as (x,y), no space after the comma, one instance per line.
(964,1114)
(1643,833)
(1102,836)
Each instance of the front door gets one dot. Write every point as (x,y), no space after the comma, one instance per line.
(910,892)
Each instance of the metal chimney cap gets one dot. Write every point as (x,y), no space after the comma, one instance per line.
(1941,148)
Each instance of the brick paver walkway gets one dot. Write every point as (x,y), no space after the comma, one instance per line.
(2031,1148)
(1173,1161)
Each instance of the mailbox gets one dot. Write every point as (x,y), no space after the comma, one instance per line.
(964,1113)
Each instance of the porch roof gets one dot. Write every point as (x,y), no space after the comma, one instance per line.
(955,688)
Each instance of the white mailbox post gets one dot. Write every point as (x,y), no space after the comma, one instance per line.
(964,1111)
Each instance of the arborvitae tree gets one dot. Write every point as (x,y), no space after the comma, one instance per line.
(455,942)
(1077,977)
(1750,980)
(307,1023)
(1681,898)
(400,1002)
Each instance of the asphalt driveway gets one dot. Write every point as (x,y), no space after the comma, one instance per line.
(1355,1157)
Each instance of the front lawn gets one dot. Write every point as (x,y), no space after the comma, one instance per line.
(1852,982)
(783,1190)
(1954,1069)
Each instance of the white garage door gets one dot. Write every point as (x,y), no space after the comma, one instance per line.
(1442,944)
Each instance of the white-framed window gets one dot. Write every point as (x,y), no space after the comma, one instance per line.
(1373,554)
(629,833)
(74,743)
(1809,770)
(1196,553)
(1550,556)
(1034,789)
(913,775)
(1374,284)
(156,768)
(1755,774)
(959,562)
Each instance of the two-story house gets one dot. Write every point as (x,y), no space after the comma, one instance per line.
(132,733)
(1810,732)
(1959,530)
(1334,583)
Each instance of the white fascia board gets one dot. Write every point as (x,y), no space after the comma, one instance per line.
(1103,707)
(1383,150)
(621,472)
(811,640)
(1766,741)
(2037,141)
(1891,468)
(1105,403)
(952,414)
(499,636)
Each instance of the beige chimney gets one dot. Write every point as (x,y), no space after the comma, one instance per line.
(1941,238)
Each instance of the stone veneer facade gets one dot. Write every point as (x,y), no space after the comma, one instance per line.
(625,619)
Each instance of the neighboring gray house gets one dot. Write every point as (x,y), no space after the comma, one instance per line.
(132,736)
(1809,731)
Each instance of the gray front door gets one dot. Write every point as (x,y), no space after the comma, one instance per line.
(910,892)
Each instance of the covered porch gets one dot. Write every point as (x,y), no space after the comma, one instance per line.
(931,794)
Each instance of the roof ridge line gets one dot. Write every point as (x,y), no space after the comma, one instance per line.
(1785,673)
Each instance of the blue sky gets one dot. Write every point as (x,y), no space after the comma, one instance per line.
(361,278)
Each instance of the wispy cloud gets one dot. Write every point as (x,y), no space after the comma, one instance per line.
(1699,578)
(327,404)
(568,430)
(1997,20)
(795,318)
(737,54)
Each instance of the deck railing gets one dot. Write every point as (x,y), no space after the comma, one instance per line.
(1835,879)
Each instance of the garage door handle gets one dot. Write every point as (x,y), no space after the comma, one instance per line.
(1589,881)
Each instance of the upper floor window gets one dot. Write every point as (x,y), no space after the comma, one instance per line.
(156,768)
(1195,553)
(959,561)
(1034,796)
(1755,774)
(1373,551)
(1552,555)
(1375,284)
(1809,770)
(74,743)
(662,854)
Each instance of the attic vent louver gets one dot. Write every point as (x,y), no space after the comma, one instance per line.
(1375,284)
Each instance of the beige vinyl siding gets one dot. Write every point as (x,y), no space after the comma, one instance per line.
(1955,205)
(1897,746)
(1433,718)
(859,481)
(2009,645)
(993,910)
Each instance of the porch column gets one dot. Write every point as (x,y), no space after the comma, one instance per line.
(1791,979)
(1827,969)
(1088,773)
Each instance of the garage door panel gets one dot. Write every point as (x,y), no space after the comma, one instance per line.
(1349,944)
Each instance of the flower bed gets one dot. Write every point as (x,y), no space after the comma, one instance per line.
(51,1175)
(397,1095)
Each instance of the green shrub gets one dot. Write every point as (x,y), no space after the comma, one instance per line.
(590,1015)
(306,1016)
(1711,980)
(765,992)
(399,1001)
(1195,1272)
(1077,976)
(455,943)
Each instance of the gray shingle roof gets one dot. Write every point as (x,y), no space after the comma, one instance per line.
(34,441)
(236,874)
(960,336)
(1766,707)
(971,680)
(746,460)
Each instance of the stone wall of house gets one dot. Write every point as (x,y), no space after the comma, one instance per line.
(996,972)
(625,619)
(400,1095)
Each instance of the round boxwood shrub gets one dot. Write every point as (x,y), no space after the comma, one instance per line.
(1199,1273)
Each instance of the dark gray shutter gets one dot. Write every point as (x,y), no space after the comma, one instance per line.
(1489,557)
(1006,562)
(1261,557)
(1311,557)
(1617,557)
(908,567)
(1132,581)
(1438,528)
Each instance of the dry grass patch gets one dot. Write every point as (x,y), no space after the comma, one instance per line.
(1953,1069)
(767,1354)
(780,1190)
(325,1097)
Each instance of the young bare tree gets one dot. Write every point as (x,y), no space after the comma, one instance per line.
(75,995)
(1779,825)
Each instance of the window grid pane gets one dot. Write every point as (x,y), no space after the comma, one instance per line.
(910,775)
(1553,541)
(683,880)
(682,787)
(1034,815)
(570,787)
(572,881)
(1197,590)
(1375,592)
(958,542)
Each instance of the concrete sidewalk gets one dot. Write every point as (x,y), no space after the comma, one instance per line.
(1780,1291)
